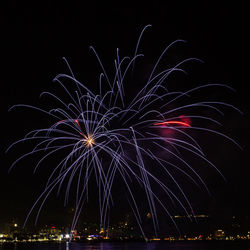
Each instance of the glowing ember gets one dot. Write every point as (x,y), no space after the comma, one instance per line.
(89,141)
(166,123)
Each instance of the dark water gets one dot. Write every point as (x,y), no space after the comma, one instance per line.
(218,245)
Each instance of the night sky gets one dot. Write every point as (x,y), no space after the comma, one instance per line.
(36,36)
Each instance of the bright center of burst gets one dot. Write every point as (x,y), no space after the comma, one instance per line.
(89,141)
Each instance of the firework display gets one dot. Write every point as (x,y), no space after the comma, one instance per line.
(138,138)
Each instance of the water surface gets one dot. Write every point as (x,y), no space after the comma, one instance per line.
(207,245)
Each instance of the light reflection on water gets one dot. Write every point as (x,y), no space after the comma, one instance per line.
(129,246)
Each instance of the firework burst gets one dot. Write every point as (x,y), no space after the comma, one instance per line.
(105,136)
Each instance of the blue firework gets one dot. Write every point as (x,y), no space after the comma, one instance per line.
(107,135)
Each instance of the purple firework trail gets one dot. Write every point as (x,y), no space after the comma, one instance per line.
(95,133)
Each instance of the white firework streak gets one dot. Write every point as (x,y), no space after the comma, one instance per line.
(84,129)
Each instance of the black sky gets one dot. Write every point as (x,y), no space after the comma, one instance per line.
(37,35)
